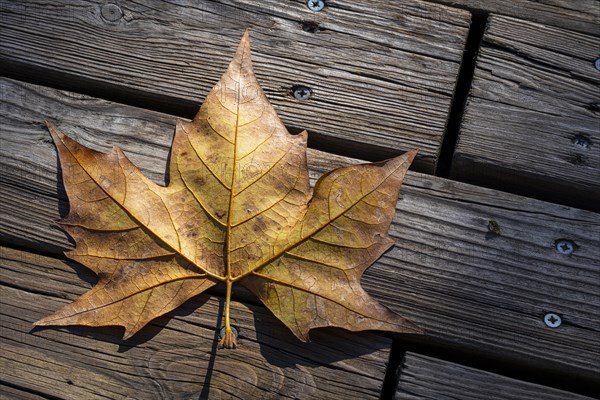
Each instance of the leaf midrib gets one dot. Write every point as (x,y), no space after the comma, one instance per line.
(233,174)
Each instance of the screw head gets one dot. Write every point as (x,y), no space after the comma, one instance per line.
(315,5)
(552,320)
(111,12)
(301,92)
(494,227)
(222,332)
(310,27)
(565,246)
(596,63)
(582,141)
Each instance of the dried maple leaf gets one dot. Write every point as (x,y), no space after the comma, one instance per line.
(237,209)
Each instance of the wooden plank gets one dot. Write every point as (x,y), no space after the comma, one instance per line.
(424,377)
(382,74)
(176,356)
(11,393)
(472,289)
(580,15)
(531,122)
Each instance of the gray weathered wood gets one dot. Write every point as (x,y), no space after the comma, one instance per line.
(176,356)
(11,393)
(383,74)
(532,123)
(471,289)
(424,377)
(577,15)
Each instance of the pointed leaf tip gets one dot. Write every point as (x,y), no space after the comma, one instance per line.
(411,154)
(412,328)
(42,322)
(245,41)
(54,131)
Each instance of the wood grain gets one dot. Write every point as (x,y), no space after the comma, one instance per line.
(382,74)
(472,289)
(531,122)
(13,393)
(580,15)
(175,357)
(424,377)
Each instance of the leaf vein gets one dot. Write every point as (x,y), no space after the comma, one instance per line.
(205,164)
(212,217)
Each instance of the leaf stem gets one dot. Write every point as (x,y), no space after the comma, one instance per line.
(227,304)
(228,341)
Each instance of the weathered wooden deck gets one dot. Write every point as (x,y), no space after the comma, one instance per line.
(501,97)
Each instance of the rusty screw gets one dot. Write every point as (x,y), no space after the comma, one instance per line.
(315,5)
(552,320)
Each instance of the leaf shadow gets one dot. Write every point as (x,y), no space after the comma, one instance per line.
(153,328)
(61,193)
(205,392)
(327,346)
(114,334)
(83,273)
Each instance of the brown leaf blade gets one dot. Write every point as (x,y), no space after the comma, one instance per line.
(160,287)
(238,208)
(139,277)
(317,282)
(243,167)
